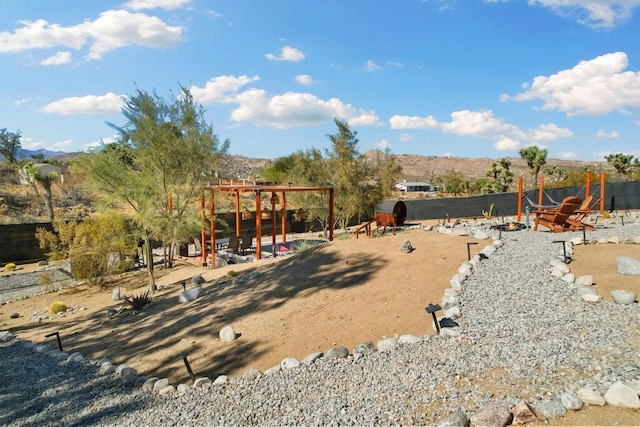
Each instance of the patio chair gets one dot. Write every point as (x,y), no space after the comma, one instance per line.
(234,244)
(246,244)
(555,219)
(576,221)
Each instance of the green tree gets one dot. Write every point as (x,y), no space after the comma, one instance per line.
(10,144)
(359,183)
(500,176)
(33,175)
(157,166)
(453,182)
(623,163)
(535,159)
(97,247)
(556,173)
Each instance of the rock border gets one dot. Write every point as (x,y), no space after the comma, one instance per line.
(618,395)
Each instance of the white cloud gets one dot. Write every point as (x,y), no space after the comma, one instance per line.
(594,87)
(505,144)
(395,64)
(88,104)
(483,124)
(371,66)
(111,30)
(549,132)
(29,144)
(567,155)
(97,144)
(221,89)
(305,80)
(602,134)
(405,137)
(156,4)
(383,144)
(61,145)
(118,28)
(601,155)
(592,13)
(57,59)
(287,53)
(413,122)
(296,109)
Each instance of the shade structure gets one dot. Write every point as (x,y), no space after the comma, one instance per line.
(264,214)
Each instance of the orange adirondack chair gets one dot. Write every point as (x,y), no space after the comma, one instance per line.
(576,221)
(555,219)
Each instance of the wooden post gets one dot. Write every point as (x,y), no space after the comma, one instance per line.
(212,214)
(587,185)
(238,217)
(203,237)
(331,214)
(520,184)
(601,193)
(273,226)
(258,227)
(541,190)
(283,218)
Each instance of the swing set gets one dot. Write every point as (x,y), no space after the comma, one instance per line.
(541,193)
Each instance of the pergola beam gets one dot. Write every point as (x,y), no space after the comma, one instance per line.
(258,190)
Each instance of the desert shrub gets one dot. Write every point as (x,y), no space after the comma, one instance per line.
(138,302)
(57,307)
(9,267)
(46,279)
(231,273)
(303,245)
(97,247)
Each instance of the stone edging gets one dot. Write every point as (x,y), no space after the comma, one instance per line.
(619,394)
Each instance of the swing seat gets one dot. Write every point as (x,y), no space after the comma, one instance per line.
(555,219)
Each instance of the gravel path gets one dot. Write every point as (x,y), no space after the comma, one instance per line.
(24,285)
(524,334)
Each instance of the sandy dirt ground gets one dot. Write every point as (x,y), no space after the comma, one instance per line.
(341,293)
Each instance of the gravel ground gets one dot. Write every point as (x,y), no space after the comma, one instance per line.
(524,334)
(18,286)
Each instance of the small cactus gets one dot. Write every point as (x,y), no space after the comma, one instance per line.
(57,307)
(231,273)
(10,266)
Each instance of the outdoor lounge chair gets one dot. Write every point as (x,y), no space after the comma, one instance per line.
(555,219)
(576,220)
(234,244)
(246,244)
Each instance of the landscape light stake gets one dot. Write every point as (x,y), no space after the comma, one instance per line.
(622,219)
(500,233)
(57,336)
(432,309)
(564,249)
(584,235)
(186,363)
(527,210)
(469,249)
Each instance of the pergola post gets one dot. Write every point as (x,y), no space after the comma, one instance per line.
(283,217)
(203,236)
(331,220)
(258,226)
(212,212)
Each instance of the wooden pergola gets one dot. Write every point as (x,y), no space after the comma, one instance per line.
(278,196)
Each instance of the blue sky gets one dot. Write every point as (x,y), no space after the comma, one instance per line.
(469,78)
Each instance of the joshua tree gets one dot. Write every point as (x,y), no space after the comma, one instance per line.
(622,162)
(535,159)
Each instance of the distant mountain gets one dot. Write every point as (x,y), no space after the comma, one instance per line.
(24,154)
(30,154)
